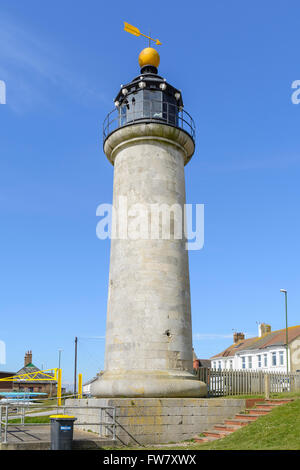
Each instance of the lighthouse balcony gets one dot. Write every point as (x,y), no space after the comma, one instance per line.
(134,110)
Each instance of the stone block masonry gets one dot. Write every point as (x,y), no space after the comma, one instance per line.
(148,350)
(156,420)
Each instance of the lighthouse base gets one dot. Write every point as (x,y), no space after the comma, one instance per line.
(143,421)
(148,384)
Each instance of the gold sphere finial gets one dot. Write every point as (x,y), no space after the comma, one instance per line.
(149,56)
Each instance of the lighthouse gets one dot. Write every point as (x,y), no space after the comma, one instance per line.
(148,138)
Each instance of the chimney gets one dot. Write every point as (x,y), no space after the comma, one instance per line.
(237,337)
(28,358)
(263,329)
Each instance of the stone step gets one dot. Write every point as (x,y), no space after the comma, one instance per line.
(267,405)
(279,400)
(227,427)
(236,422)
(248,417)
(251,411)
(217,434)
(273,404)
(240,420)
(205,439)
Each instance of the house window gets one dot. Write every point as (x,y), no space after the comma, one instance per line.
(281,358)
(273,358)
(243,363)
(265,360)
(249,362)
(214,365)
(219,365)
(259,360)
(230,364)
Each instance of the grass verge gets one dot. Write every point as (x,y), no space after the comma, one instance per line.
(278,430)
(272,395)
(33,419)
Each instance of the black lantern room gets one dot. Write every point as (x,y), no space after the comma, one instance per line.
(148,98)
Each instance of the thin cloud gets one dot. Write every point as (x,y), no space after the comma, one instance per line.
(32,65)
(198,336)
(214,336)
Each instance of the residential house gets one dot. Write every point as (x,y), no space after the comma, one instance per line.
(6,386)
(197,363)
(86,388)
(266,352)
(40,384)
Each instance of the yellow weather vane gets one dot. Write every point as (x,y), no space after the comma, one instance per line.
(136,32)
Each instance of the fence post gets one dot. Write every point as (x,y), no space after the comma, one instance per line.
(114,424)
(23,415)
(59,387)
(6,424)
(267,386)
(79,385)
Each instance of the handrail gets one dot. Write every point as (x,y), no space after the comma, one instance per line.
(5,416)
(148,110)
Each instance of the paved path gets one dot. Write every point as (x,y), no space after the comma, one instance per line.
(38,438)
(38,413)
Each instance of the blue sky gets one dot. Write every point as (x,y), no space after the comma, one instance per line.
(63,63)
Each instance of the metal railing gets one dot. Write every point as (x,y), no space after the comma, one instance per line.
(148,111)
(10,412)
(240,382)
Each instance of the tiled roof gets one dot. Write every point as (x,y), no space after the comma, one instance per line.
(90,381)
(31,368)
(235,347)
(275,338)
(204,362)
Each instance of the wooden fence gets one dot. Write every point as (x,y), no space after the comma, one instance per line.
(241,382)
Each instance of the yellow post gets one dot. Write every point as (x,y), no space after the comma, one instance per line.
(79,385)
(59,387)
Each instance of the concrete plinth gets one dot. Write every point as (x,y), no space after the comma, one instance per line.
(157,421)
(141,383)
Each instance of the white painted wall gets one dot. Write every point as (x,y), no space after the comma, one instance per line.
(251,360)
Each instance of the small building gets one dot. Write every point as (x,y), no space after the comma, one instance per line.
(197,363)
(6,386)
(265,352)
(86,388)
(40,384)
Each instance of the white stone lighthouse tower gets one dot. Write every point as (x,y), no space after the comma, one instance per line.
(149,139)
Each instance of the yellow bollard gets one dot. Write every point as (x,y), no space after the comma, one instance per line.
(79,385)
(59,387)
